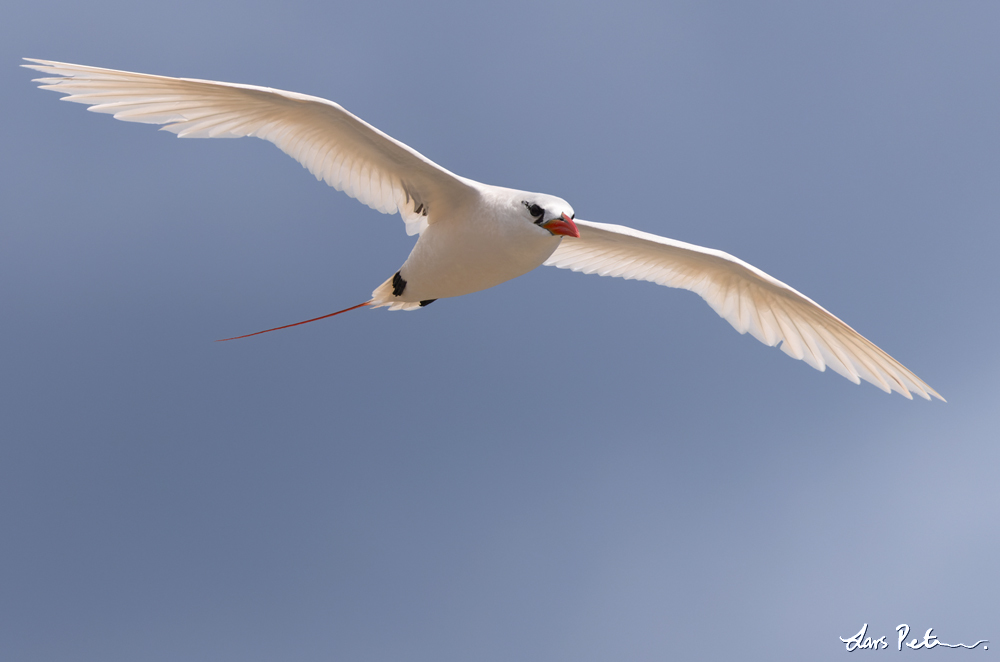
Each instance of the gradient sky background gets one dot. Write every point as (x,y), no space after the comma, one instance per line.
(564,467)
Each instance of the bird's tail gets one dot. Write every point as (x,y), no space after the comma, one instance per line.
(388,294)
(323,317)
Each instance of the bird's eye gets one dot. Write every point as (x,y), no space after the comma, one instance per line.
(536,212)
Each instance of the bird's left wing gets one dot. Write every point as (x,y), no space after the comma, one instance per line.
(743,295)
(345,151)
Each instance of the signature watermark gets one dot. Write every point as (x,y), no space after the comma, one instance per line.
(862,642)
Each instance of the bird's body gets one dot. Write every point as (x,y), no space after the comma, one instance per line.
(472,235)
(471,247)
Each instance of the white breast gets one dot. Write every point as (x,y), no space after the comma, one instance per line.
(472,248)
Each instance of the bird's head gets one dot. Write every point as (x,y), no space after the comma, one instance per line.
(552,214)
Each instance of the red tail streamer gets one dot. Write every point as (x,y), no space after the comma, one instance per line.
(277,328)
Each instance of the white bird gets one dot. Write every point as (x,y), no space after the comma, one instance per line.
(474,236)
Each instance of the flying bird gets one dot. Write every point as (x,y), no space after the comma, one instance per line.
(473,236)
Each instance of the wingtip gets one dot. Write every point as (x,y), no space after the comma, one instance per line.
(924,391)
(38,64)
(44,66)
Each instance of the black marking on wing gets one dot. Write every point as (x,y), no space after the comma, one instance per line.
(419,207)
(398,284)
(427,302)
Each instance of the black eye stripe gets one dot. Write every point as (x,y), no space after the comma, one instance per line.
(535,210)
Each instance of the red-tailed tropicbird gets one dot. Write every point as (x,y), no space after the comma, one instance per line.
(472,235)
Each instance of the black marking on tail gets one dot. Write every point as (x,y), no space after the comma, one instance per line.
(427,302)
(421,209)
(398,284)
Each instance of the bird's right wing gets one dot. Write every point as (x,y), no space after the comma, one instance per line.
(348,153)
(743,295)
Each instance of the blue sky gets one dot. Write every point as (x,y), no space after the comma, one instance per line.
(564,467)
